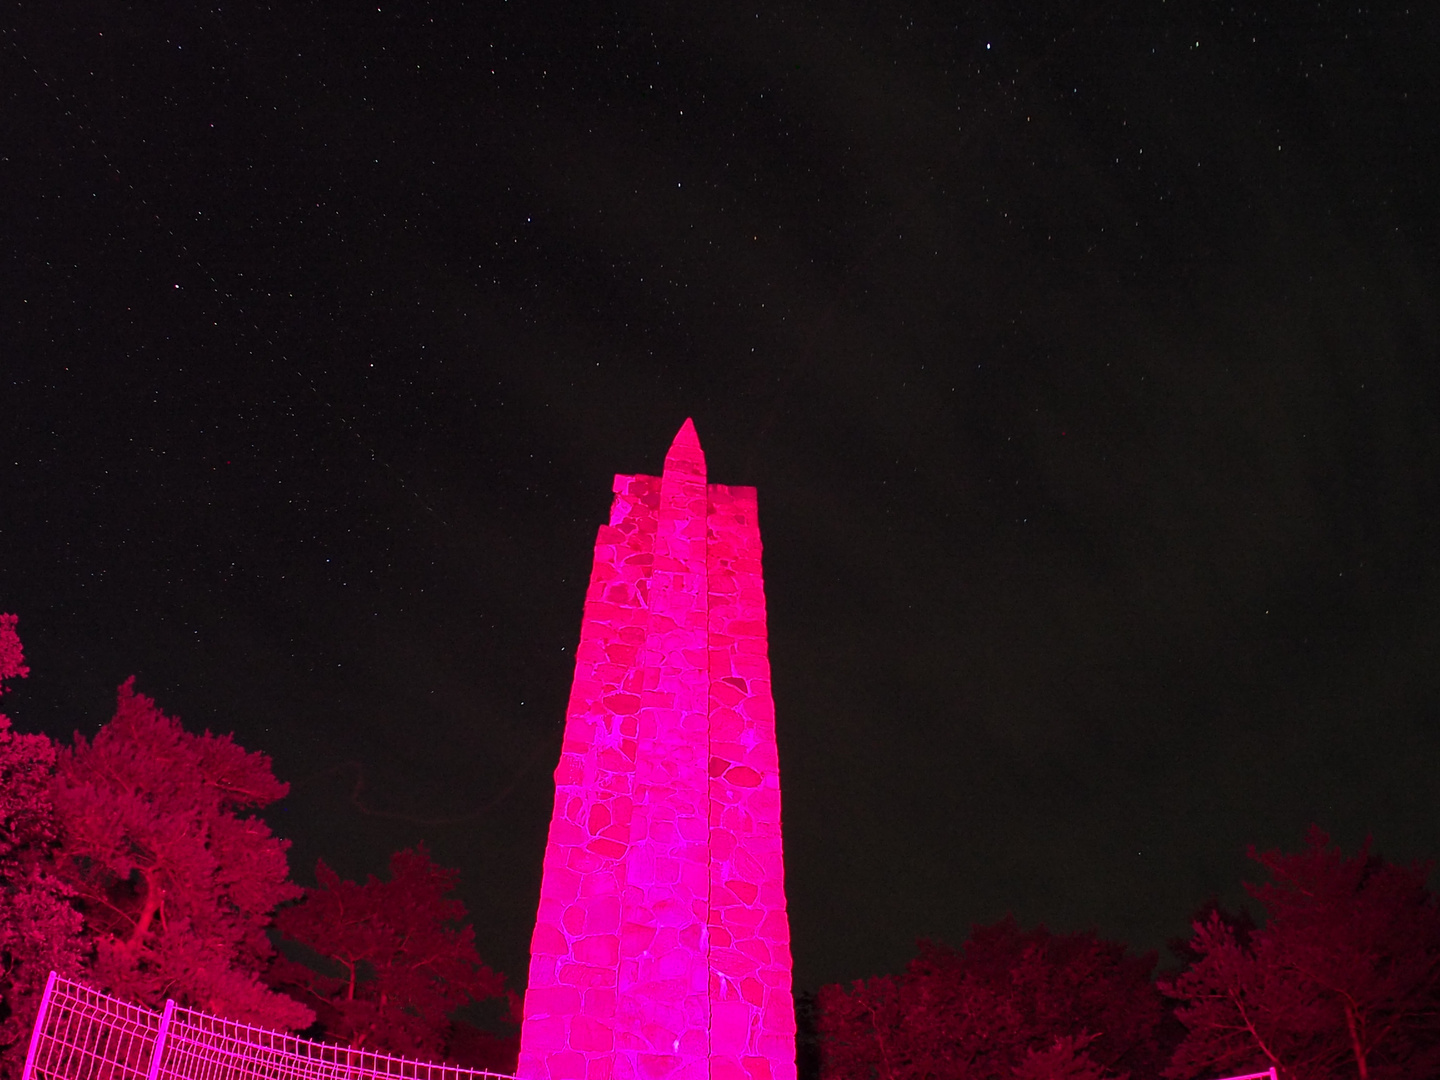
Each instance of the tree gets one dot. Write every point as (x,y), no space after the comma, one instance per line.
(1008,1003)
(12,653)
(1064,1059)
(1341,981)
(403,957)
(39,929)
(176,881)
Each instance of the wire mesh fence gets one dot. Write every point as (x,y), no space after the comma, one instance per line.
(82,1034)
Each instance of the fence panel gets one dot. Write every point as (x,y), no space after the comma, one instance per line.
(81,1034)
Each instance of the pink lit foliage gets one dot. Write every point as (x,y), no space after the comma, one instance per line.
(1343,979)
(176,877)
(135,862)
(39,930)
(1010,1002)
(12,654)
(403,960)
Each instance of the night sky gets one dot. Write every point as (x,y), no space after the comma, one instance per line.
(1087,362)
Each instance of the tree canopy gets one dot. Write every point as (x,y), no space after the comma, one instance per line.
(1008,1002)
(40,929)
(176,876)
(1341,981)
(402,954)
(137,862)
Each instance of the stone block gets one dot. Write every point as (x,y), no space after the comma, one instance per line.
(756,948)
(548,940)
(558,1001)
(567,1065)
(602,915)
(600,950)
(546,1033)
(599,1001)
(589,1034)
(730,1027)
(573,921)
(586,976)
(753,991)
(635,939)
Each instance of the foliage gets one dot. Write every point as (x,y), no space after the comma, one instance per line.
(405,958)
(39,930)
(1009,1002)
(135,862)
(1341,980)
(176,882)
(12,654)
(1064,1059)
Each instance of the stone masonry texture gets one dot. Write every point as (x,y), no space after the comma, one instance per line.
(661,947)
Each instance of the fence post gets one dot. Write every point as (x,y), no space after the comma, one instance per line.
(39,1027)
(164,1030)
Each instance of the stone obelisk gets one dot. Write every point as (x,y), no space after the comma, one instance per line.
(661,946)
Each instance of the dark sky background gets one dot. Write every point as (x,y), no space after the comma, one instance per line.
(1085,360)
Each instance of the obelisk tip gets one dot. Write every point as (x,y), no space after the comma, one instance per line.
(685,456)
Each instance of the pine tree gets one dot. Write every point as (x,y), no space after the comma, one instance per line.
(177,882)
(1009,1002)
(39,929)
(402,955)
(1343,980)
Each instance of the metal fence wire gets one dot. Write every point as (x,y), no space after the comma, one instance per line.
(82,1034)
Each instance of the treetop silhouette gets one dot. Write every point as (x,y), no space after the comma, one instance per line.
(1008,1002)
(1340,981)
(176,880)
(402,957)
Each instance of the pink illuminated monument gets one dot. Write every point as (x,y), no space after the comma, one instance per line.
(662,947)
